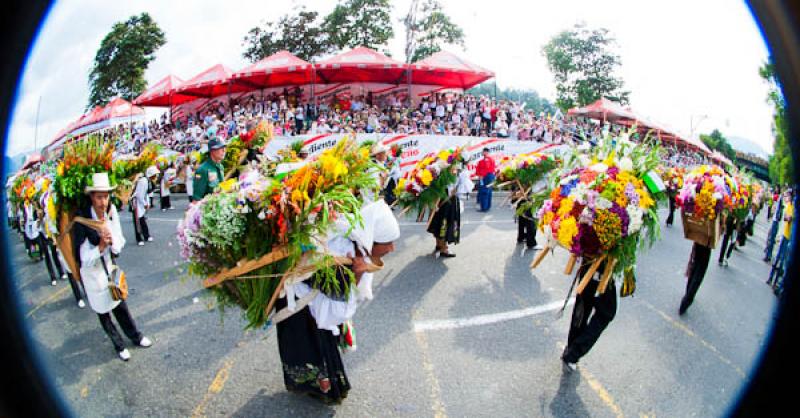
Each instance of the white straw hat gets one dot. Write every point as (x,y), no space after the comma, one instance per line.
(100,183)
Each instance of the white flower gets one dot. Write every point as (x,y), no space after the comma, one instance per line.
(603,203)
(584,159)
(599,168)
(717,195)
(636,216)
(579,193)
(625,164)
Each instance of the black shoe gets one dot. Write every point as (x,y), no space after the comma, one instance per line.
(446,255)
(684,307)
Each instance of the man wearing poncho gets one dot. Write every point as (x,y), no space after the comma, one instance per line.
(308,339)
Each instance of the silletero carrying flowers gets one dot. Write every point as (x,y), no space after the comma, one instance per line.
(425,185)
(266,227)
(707,194)
(600,207)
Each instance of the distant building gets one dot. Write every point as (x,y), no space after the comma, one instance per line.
(753,163)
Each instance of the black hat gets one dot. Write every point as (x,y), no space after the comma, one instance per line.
(215,143)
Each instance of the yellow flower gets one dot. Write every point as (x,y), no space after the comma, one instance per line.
(547,218)
(227,185)
(426,177)
(565,208)
(60,169)
(332,166)
(567,231)
(444,155)
(401,185)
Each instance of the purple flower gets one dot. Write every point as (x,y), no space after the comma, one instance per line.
(630,193)
(612,172)
(585,242)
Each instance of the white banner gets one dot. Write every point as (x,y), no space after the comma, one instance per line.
(416,147)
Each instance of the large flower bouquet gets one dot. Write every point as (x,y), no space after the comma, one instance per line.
(525,169)
(708,194)
(425,185)
(599,208)
(19,188)
(674,176)
(82,159)
(127,168)
(238,146)
(258,230)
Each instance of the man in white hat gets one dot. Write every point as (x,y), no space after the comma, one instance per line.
(140,203)
(378,154)
(95,251)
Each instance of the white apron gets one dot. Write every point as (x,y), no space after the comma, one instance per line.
(93,276)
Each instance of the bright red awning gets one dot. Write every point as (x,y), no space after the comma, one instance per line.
(210,83)
(159,93)
(448,70)
(277,70)
(360,65)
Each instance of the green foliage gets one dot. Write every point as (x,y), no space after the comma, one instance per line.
(425,36)
(583,66)
(781,169)
(531,98)
(716,141)
(299,33)
(122,59)
(354,23)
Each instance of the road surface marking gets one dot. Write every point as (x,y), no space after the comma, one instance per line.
(601,392)
(440,324)
(436,392)
(691,333)
(216,387)
(51,298)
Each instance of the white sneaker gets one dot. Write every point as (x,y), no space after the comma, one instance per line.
(537,247)
(150,239)
(53,283)
(64,277)
(125,355)
(81,304)
(145,342)
(570,366)
(141,244)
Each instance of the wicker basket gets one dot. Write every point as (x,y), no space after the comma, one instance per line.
(702,231)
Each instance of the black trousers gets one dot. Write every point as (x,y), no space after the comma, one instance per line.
(125,321)
(526,229)
(388,192)
(671,216)
(141,228)
(727,246)
(584,331)
(165,204)
(698,264)
(50,258)
(76,287)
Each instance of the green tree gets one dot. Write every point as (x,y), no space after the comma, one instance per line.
(716,141)
(583,66)
(426,35)
(122,59)
(781,170)
(299,33)
(354,23)
(531,98)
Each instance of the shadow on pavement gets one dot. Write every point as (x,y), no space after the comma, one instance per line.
(283,404)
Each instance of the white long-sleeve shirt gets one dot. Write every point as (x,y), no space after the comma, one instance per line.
(93,275)
(141,199)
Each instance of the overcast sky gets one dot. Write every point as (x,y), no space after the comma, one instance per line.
(681,59)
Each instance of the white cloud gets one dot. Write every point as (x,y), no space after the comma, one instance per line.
(680,58)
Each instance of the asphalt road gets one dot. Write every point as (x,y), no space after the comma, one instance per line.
(476,335)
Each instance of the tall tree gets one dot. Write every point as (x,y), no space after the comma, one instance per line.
(299,33)
(354,23)
(428,32)
(122,59)
(716,141)
(781,170)
(583,66)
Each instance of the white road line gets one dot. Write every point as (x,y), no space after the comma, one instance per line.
(440,324)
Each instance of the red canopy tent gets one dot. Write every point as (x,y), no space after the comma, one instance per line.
(448,70)
(161,93)
(212,82)
(360,65)
(32,159)
(277,70)
(604,109)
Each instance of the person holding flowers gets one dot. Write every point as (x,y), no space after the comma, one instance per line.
(445,224)
(95,252)
(728,243)
(777,274)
